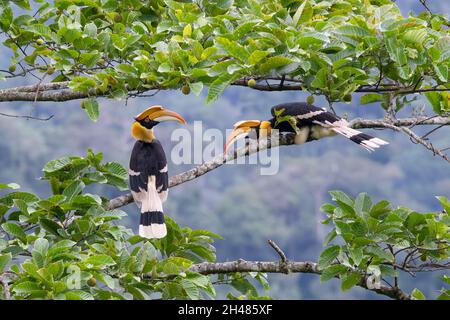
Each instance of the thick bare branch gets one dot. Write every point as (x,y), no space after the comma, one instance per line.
(415,138)
(240,265)
(405,122)
(59,91)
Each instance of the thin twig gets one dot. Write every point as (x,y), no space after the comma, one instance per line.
(26,117)
(278,250)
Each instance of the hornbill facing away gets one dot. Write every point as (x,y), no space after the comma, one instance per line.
(149,180)
(308,122)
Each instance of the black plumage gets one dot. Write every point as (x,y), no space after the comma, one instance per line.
(149,160)
(313,123)
(149,180)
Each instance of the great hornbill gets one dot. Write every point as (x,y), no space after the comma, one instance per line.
(149,180)
(308,122)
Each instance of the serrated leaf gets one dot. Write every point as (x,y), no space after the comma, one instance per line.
(233,48)
(73,189)
(191,289)
(56,165)
(219,85)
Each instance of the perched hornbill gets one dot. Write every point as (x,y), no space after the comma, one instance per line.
(308,122)
(149,180)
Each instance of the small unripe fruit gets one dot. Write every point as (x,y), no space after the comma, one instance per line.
(423,258)
(50,70)
(101,61)
(348,98)
(40,41)
(12,68)
(117,18)
(185,89)
(251,83)
(92,282)
(310,99)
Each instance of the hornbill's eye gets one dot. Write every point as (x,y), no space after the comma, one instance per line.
(147,120)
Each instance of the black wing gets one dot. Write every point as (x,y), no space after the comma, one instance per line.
(148,159)
(306,113)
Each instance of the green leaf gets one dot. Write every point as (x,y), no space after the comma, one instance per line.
(92,108)
(332,271)
(196,87)
(445,203)
(233,48)
(9,185)
(219,85)
(73,189)
(352,31)
(100,261)
(298,13)
(370,98)
(350,280)
(328,255)
(342,197)
(56,165)
(379,252)
(6,17)
(4,260)
(363,203)
(274,63)
(416,294)
(192,291)
(256,56)
(50,226)
(380,208)
(14,230)
(78,295)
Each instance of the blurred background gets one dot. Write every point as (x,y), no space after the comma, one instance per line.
(235,201)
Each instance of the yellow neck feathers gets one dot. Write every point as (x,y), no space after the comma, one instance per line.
(141,133)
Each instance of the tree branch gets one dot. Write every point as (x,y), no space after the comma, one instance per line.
(284,140)
(5,285)
(59,91)
(240,265)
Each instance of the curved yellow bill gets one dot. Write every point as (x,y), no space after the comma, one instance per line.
(241,130)
(159,113)
(236,134)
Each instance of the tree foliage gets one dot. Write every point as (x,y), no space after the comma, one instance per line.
(68,246)
(329,47)
(378,241)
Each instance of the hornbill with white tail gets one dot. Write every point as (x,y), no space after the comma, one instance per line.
(308,122)
(149,179)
